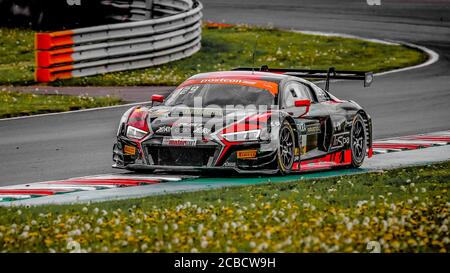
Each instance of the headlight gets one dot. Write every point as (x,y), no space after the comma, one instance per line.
(242,136)
(123,120)
(135,133)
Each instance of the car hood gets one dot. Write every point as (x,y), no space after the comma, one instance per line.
(187,121)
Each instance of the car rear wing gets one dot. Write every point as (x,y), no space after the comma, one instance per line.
(331,73)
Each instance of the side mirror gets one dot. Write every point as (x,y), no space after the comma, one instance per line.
(157,98)
(303,103)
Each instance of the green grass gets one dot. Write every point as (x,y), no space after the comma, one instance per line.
(13,104)
(405,210)
(16,56)
(223,49)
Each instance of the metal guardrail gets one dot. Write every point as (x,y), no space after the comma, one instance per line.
(123,46)
(136,10)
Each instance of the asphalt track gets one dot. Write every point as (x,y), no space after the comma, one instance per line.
(415,101)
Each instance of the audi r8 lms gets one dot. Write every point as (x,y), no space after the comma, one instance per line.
(250,121)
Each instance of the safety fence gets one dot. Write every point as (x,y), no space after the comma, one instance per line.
(173,33)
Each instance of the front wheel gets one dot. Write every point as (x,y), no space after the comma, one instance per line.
(358,141)
(286,148)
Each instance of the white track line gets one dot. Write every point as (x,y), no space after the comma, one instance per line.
(443,133)
(432,55)
(132,176)
(76,111)
(14,196)
(412,142)
(380,151)
(50,187)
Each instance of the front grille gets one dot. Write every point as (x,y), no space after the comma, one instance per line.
(181,156)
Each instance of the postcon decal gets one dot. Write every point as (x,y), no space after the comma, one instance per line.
(272,87)
(341,140)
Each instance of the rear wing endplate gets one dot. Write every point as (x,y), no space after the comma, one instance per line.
(331,73)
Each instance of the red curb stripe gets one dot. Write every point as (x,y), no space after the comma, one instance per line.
(400,146)
(32,192)
(429,138)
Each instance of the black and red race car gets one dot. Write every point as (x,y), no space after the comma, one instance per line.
(248,120)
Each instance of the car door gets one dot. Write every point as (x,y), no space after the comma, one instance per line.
(338,134)
(312,125)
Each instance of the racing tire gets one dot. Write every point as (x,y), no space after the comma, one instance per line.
(358,141)
(286,148)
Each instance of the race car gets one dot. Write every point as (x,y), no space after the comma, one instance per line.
(248,120)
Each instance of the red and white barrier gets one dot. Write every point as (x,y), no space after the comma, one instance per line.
(118,47)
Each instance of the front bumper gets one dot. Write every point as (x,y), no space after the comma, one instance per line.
(152,154)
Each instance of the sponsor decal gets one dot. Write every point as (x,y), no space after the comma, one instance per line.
(180,141)
(302,127)
(229,164)
(246,154)
(129,150)
(201,130)
(164,130)
(313,129)
(309,129)
(189,124)
(196,128)
(341,140)
(221,80)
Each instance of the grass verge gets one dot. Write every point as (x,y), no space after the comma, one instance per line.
(13,104)
(223,48)
(404,210)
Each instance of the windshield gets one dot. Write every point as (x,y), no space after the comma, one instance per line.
(220,95)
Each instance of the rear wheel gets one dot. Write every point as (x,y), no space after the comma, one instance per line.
(285,155)
(358,141)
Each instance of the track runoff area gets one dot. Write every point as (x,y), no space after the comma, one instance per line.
(388,153)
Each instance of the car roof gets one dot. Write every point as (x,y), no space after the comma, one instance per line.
(243,75)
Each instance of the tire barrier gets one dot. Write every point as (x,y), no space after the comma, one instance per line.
(137,10)
(174,35)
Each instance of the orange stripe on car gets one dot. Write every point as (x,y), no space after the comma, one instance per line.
(272,87)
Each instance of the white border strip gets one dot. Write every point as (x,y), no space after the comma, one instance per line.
(76,111)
